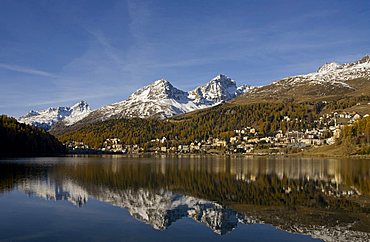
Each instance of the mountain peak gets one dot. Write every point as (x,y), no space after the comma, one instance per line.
(220,76)
(330,79)
(220,88)
(161,99)
(47,118)
(331,66)
(159,89)
(81,106)
(161,82)
(82,102)
(32,113)
(365,59)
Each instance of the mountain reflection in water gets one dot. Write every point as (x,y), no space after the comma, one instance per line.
(158,208)
(325,198)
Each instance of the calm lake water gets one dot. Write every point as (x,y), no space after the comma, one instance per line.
(191,198)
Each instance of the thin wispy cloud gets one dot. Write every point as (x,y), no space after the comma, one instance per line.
(103,52)
(57,100)
(26,70)
(108,48)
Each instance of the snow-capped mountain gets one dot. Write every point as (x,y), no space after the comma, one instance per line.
(244,89)
(221,88)
(160,98)
(163,100)
(337,74)
(161,208)
(49,117)
(52,190)
(158,208)
(330,79)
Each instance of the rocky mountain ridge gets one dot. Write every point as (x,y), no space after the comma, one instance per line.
(330,79)
(161,99)
(47,118)
(158,208)
(158,99)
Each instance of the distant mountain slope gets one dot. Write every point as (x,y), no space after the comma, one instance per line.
(161,99)
(221,88)
(215,122)
(158,208)
(20,139)
(47,118)
(162,208)
(330,79)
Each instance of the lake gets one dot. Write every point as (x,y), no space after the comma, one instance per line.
(189,198)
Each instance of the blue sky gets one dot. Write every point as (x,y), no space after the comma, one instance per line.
(56,53)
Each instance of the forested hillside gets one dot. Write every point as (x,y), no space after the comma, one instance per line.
(217,122)
(355,138)
(17,139)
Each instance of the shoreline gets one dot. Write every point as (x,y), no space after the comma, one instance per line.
(149,154)
(304,154)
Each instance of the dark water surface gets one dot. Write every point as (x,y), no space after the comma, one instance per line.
(192,198)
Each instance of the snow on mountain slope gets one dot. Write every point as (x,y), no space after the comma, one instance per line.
(244,89)
(328,67)
(49,189)
(163,100)
(78,112)
(220,88)
(47,118)
(338,74)
(158,208)
(161,208)
(329,79)
(159,98)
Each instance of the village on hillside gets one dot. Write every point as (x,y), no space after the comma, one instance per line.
(247,140)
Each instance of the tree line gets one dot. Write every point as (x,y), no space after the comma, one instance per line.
(221,121)
(217,122)
(22,139)
(355,138)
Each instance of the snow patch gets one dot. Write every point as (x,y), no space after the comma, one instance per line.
(163,100)
(49,117)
